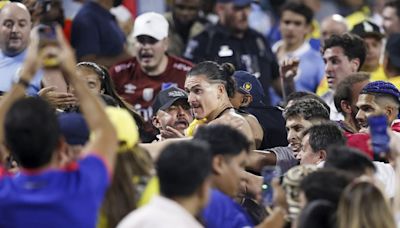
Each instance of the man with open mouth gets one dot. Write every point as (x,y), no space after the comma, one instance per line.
(139,79)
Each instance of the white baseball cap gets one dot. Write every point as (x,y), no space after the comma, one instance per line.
(151,24)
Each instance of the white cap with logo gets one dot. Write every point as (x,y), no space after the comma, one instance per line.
(151,24)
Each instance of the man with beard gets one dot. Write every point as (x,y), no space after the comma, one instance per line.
(14,38)
(379,97)
(171,113)
(231,40)
(184,23)
(96,36)
(139,79)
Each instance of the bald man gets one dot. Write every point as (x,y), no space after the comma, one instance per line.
(334,24)
(15,28)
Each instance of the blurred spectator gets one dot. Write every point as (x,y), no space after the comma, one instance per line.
(315,143)
(172,113)
(295,24)
(372,37)
(96,35)
(249,98)
(183,170)
(333,25)
(228,164)
(346,97)
(391,17)
(355,207)
(14,39)
(231,40)
(185,23)
(74,129)
(139,79)
(343,54)
(134,183)
(391,62)
(99,81)
(319,213)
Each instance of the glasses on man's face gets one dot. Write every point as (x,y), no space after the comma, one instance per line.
(146,40)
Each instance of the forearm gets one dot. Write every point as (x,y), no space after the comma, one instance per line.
(16,92)
(259,158)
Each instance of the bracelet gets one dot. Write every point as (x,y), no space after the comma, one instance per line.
(25,83)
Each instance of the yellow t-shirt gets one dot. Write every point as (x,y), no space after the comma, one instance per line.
(395,81)
(193,126)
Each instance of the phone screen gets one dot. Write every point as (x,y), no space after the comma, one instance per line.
(269,173)
(379,137)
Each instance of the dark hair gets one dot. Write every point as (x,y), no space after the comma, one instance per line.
(317,214)
(325,184)
(309,109)
(183,167)
(32,132)
(223,139)
(394,4)
(302,95)
(353,46)
(215,72)
(298,8)
(108,86)
(348,159)
(344,89)
(324,135)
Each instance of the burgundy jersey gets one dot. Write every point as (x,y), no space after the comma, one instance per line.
(139,89)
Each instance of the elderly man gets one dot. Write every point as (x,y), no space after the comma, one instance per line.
(141,78)
(14,38)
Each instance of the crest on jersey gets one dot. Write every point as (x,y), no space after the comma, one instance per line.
(148,94)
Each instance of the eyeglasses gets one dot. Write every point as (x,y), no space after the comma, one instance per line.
(183,7)
(146,40)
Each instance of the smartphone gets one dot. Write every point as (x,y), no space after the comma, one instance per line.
(269,173)
(379,136)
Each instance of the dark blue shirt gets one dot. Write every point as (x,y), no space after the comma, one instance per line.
(96,31)
(54,198)
(222,211)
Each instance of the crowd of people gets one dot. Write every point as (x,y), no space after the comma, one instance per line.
(199,118)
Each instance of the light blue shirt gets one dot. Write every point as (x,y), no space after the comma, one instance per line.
(310,72)
(9,68)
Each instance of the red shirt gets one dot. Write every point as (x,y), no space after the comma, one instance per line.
(139,89)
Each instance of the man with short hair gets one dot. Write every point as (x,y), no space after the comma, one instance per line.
(139,79)
(346,97)
(230,149)
(232,40)
(379,97)
(43,194)
(343,54)
(15,29)
(391,17)
(183,170)
(171,113)
(185,23)
(333,25)
(316,141)
(295,25)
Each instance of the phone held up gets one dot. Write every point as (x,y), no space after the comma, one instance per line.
(379,136)
(269,173)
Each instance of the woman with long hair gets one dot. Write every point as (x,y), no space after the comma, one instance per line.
(363,205)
